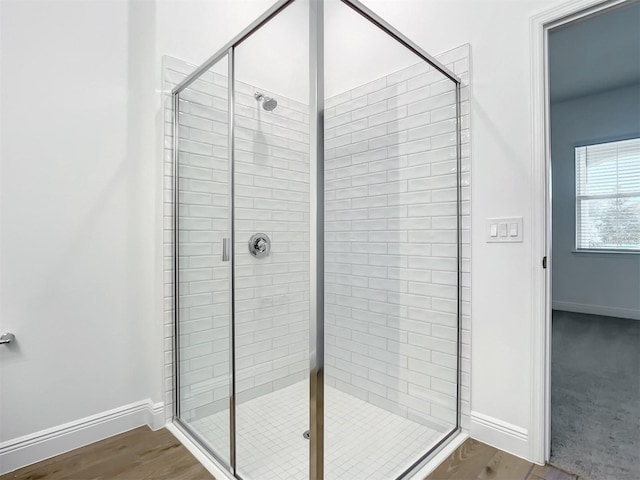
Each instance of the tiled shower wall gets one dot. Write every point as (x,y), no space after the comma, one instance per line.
(204,222)
(391,242)
(348,374)
(271,196)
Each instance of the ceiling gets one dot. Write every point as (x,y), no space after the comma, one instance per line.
(598,53)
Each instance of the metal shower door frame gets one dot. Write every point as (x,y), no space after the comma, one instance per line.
(229,51)
(183,426)
(316,124)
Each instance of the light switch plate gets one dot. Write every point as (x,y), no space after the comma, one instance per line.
(504,230)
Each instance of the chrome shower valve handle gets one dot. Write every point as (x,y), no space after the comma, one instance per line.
(259,245)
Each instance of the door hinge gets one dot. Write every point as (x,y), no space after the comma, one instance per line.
(544,262)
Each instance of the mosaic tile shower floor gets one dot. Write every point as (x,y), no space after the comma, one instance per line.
(362,441)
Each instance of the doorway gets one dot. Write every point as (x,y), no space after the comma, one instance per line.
(593,304)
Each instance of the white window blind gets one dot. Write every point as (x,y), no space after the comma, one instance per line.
(608,196)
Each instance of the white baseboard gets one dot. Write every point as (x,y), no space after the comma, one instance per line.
(505,436)
(155,415)
(597,310)
(22,451)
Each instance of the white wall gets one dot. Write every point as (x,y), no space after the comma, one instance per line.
(276,56)
(193,30)
(605,284)
(142,101)
(76,211)
(356,51)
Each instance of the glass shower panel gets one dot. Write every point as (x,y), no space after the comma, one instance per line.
(272,259)
(204,274)
(391,252)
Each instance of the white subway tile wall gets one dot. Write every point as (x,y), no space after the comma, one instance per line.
(203,221)
(391,242)
(391,254)
(272,197)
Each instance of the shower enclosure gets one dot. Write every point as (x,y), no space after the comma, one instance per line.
(317,244)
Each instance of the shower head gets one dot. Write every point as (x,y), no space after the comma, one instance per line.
(268,103)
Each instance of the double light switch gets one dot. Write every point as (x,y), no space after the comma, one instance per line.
(504,230)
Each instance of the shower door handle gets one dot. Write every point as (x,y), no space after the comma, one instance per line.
(226,249)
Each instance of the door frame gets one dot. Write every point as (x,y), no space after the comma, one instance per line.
(540,26)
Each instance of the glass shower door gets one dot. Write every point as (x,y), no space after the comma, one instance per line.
(272,248)
(391,252)
(203,259)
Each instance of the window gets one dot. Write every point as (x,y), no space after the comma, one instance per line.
(608,196)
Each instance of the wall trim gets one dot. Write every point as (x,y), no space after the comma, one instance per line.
(500,434)
(604,310)
(35,447)
(155,415)
(540,333)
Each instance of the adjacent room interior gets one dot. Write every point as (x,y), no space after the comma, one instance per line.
(594,75)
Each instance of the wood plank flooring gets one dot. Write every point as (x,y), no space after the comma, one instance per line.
(139,454)
(142,454)
(475,460)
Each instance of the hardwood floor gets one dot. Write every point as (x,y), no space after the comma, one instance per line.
(142,454)
(139,454)
(478,461)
